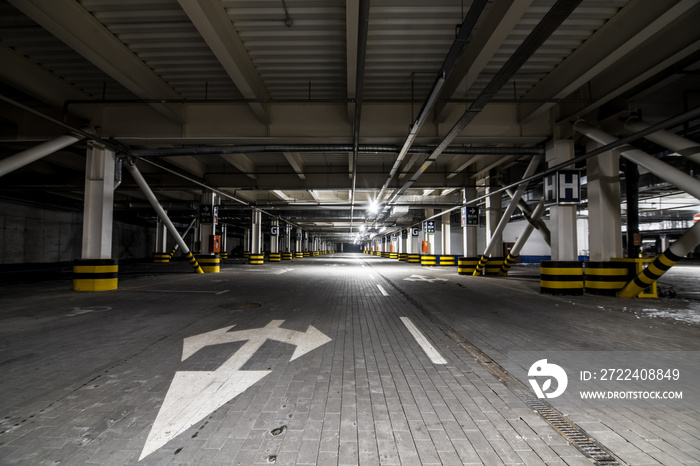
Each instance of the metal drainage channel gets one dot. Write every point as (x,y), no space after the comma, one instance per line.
(568,429)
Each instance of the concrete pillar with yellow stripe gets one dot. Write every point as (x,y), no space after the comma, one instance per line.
(97,270)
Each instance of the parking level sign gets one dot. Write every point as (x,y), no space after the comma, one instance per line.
(470,216)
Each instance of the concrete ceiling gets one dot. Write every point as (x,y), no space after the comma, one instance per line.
(276,84)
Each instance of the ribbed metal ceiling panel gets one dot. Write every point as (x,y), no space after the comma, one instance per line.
(407,42)
(29,39)
(306,59)
(583,22)
(160,33)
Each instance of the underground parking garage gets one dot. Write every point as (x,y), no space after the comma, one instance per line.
(361,232)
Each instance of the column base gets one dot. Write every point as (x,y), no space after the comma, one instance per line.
(210,263)
(95,274)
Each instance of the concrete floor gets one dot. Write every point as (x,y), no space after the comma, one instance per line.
(338,359)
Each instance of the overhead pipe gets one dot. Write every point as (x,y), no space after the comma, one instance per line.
(141,182)
(336,148)
(460,41)
(661,169)
(28,156)
(680,145)
(667,259)
(522,239)
(362,28)
(551,21)
(529,171)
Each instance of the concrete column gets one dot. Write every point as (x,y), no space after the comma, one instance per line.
(403,240)
(274,239)
(256,233)
(161,237)
(246,240)
(493,216)
(224,238)
(429,237)
(604,225)
(306,241)
(99,202)
(470,234)
(207,221)
(446,250)
(287,237)
(563,217)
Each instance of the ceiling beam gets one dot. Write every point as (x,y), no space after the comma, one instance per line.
(38,81)
(498,23)
(352,18)
(189,164)
(214,25)
(297,163)
(69,21)
(634,24)
(243,163)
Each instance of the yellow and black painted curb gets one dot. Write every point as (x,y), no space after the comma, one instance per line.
(403,257)
(413,258)
(428,259)
(506,265)
(446,260)
(493,265)
(561,277)
(223,255)
(394,255)
(210,263)
(299,254)
(246,254)
(161,257)
(607,278)
(649,275)
(193,262)
(307,253)
(256,259)
(287,256)
(274,257)
(95,274)
(467,265)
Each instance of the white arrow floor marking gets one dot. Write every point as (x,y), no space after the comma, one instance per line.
(193,395)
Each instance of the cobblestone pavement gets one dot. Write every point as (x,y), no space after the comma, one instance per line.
(339,359)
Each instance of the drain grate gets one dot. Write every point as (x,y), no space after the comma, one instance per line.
(568,429)
(240,306)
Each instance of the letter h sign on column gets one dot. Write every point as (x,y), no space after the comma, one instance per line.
(562,187)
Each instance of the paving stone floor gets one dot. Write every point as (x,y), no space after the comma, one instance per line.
(323,370)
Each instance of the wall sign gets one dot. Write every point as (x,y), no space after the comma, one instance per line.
(562,187)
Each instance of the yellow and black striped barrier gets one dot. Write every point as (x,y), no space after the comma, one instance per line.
(507,264)
(644,283)
(413,259)
(493,265)
(210,263)
(161,257)
(394,255)
(315,253)
(274,257)
(95,274)
(607,278)
(287,256)
(299,254)
(193,262)
(172,252)
(246,254)
(561,277)
(428,259)
(446,260)
(307,253)
(403,257)
(223,255)
(256,259)
(479,269)
(467,265)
